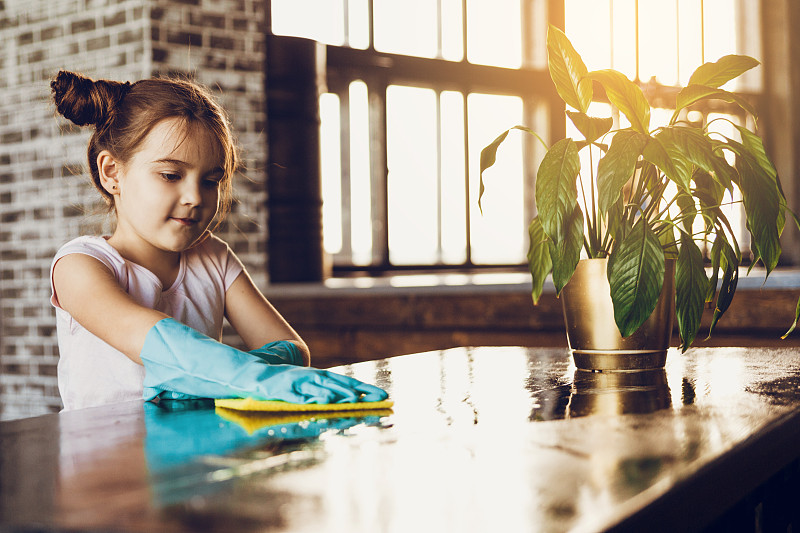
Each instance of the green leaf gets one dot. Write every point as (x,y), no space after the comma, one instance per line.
(678,171)
(568,70)
(755,147)
(723,172)
(626,95)
(794,324)
(690,290)
(616,228)
(616,167)
(715,256)
(709,193)
(590,127)
(762,204)
(753,144)
(636,275)
(688,210)
(489,155)
(539,262)
(556,191)
(650,176)
(694,93)
(566,253)
(729,262)
(687,147)
(723,70)
(666,237)
(488,158)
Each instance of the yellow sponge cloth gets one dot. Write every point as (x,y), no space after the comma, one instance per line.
(249,404)
(253,421)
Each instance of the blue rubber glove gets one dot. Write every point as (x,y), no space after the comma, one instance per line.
(279,353)
(275,353)
(179,359)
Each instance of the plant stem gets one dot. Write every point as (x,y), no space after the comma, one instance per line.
(596,233)
(590,229)
(669,204)
(657,196)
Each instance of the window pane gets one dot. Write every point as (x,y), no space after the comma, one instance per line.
(409,27)
(675,36)
(452,30)
(588,28)
(658,42)
(412,189)
(331,172)
(690,42)
(498,235)
(494,35)
(623,37)
(453,192)
(719,22)
(290,17)
(748,18)
(358,24)
(360,186)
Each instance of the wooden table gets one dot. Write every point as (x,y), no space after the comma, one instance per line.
(480,439)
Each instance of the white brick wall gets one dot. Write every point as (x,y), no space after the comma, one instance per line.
(45,194)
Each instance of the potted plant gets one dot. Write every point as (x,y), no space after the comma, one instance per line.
(648,204)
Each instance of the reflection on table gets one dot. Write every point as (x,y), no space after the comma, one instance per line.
(479,439)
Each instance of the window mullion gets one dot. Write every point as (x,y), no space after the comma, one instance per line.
(346,253)
(439,185)
(467,195)
(379,171)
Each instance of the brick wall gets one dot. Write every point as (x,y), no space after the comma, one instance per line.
(45,194)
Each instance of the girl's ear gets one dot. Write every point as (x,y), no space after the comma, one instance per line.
(109,170)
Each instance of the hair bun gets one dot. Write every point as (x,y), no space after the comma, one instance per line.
(84,101)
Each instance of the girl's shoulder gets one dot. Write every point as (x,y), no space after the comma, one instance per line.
(213,255)
(211,245)
(93,246)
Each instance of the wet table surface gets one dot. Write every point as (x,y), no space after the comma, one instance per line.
(480,439)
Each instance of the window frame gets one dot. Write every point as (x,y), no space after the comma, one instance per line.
(379,70)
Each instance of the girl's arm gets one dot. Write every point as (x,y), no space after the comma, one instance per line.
(255,320)
(88,291)
(168,350)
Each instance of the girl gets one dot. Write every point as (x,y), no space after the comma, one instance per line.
(138,311)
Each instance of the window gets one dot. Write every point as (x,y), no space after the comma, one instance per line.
(416,88)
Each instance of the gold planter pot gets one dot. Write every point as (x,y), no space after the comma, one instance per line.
(593,335)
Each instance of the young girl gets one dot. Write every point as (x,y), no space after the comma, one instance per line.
(139,313)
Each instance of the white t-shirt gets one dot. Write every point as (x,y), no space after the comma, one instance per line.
(90,371)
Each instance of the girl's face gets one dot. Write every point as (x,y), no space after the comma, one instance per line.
(168,193)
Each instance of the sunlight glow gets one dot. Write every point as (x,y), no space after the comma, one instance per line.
(360,183)
(331,172)
(588,28)
(658,46)
(623,37)
(452,32)
(326,27)
(432,195)
(396,21)
(690,45)
(412,160)
(494,33)
(358,24)
(499,234)
(674,36)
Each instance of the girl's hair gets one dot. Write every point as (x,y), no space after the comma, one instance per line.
(122,115)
